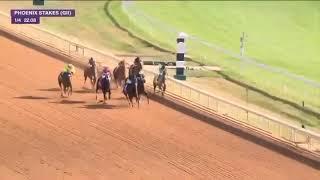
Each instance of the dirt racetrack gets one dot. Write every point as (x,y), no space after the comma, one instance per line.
(45,137)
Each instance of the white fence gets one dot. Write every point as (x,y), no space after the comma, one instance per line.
(270,126)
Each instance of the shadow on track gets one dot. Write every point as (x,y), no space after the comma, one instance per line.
(119,98)
(31,97)
(68,102)
(50,89)
(81,91)
(100,106)
(218,122)
(84,91)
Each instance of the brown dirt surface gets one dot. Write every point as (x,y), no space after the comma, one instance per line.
(43,136)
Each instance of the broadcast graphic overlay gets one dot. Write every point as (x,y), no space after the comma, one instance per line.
(32,16)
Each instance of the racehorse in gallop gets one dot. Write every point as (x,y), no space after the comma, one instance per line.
(135,89)
(104,84)
(64,81)
(90,72)
(159,80)
(119,74)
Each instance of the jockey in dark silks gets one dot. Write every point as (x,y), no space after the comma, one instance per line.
(134,72)
(104,81)
(91,62)
(67,73)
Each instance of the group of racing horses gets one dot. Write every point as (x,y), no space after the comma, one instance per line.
(132,85)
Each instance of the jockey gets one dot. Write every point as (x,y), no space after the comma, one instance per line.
(134,71)
(136,67)
(69,68)
(162,71)
(106,72)
(91,62)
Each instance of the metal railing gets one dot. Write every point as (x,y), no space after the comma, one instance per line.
(270,126)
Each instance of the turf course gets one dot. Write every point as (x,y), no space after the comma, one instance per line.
(283,34)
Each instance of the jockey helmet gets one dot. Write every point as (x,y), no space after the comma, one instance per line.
(91,60)
(137,60)
(105,69)
(70,68)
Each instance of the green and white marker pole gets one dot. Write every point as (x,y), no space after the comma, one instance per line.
(38,2)
(180,63)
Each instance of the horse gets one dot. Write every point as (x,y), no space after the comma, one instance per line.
(104,84)
(159,81)
(91,72)
(135,90)
(119,74)
(64,81)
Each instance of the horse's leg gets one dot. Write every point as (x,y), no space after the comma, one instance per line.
(67,91)
(154,87)
(70,89)
(123,83)
(61,93)
(94,81)
(85,79)
(138,100)
(64,89)
(116,82)
(104,96)
(91,82)
(60,85)
(97,89)
(127,99)
(146,94)
(130,99)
